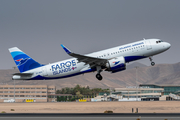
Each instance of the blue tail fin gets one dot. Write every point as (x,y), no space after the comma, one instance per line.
(23,61)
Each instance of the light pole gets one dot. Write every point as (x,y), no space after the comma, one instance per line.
(14,90)
(14,86)
(136,83)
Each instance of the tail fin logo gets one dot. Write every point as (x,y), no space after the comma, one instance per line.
(22,61)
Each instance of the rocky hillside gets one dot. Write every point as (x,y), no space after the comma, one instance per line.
(158,74)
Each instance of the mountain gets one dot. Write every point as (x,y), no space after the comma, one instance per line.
(134,64)
(158,74)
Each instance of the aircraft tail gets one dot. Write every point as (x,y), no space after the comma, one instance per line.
(22,60)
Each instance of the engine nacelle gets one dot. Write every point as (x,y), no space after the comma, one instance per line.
(116,64)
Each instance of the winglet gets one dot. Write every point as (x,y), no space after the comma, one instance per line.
(66,49)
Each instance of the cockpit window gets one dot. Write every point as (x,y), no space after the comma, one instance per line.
(159,41)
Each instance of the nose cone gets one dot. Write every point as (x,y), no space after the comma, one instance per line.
(168,45)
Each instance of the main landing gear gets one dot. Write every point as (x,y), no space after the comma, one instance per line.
(98,75)
(152,63)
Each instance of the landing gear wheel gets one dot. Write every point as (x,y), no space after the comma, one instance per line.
(152,63)
(99,77)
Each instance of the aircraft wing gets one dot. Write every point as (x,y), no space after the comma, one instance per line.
(92,61)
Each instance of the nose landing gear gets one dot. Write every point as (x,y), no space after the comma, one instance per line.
(152,63)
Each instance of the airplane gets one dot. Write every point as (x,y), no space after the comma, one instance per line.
(112,60)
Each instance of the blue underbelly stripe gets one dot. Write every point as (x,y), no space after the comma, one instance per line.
(39,77)
(133,58)
(127,59)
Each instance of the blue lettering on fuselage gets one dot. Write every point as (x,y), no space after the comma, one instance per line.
(57,66)
(68,64)
(61,71)
(63,67)
(138,44)
(131,45)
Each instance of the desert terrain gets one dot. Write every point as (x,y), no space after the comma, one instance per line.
(158,74)
(92,107)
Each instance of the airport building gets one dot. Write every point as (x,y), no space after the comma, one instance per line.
(174,89)
(138,94)
(131,93)
(26,93)
(144,92)
(44,93)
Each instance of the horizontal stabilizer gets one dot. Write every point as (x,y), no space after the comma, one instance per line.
(23,74)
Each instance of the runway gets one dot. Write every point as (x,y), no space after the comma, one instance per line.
(90,116)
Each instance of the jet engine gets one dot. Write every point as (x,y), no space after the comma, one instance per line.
(116,64)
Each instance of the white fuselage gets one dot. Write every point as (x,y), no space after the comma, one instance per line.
(71,67)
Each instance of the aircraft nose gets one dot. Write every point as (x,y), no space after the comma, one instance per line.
(168,45)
